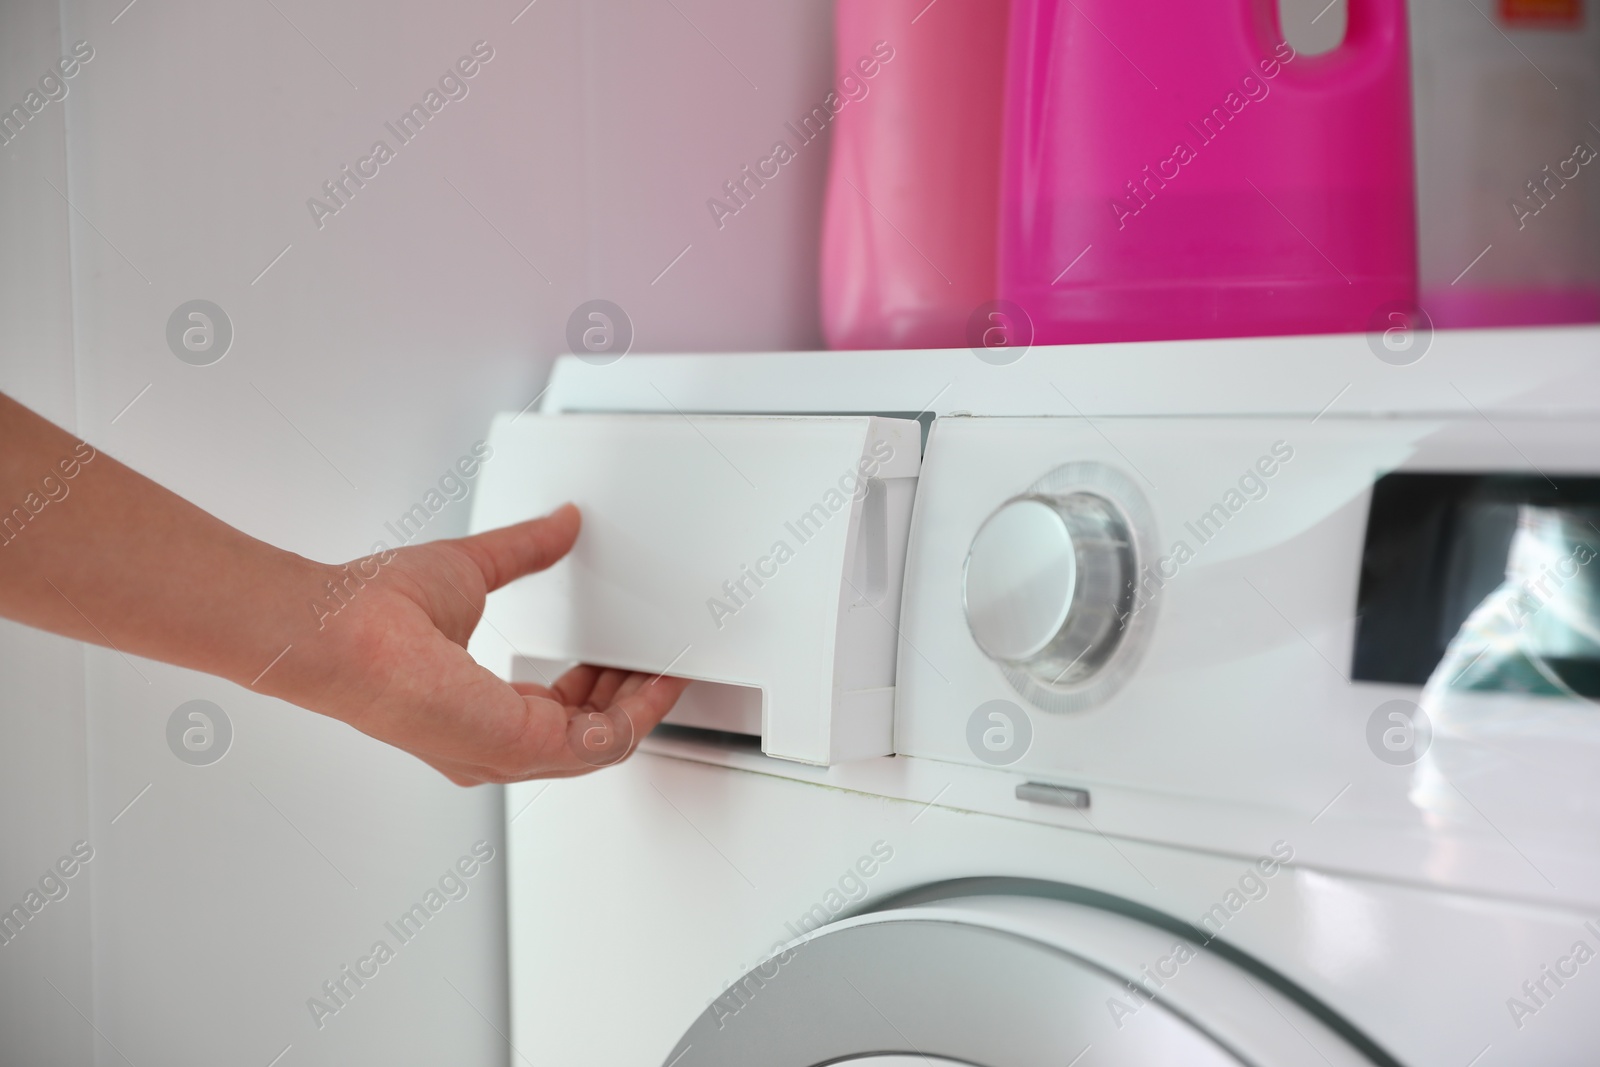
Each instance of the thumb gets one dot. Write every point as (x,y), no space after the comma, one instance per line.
(510,552)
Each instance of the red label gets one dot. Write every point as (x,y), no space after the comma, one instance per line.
(1552,14)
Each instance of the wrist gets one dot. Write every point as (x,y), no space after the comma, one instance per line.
(281,651)
(310,650)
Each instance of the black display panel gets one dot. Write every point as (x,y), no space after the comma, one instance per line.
(1439,546)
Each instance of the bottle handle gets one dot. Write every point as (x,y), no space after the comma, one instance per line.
(1374,39)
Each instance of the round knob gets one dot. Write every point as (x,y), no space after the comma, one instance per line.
(1049,583)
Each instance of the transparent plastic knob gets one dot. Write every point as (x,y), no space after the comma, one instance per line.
(1049,584)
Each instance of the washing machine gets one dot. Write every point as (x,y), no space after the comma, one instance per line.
(1213,702)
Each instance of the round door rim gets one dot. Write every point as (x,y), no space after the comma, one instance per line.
(955,889)
(903,908)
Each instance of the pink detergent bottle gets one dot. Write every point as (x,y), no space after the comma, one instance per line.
(909,228)
(1174,169)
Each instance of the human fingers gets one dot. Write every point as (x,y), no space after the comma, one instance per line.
(510,552)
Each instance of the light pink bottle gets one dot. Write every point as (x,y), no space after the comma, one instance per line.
(1174,169)
(908,240)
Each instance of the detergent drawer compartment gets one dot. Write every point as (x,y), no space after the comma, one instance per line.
(760,555)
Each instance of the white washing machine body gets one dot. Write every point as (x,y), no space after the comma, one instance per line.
(922,804)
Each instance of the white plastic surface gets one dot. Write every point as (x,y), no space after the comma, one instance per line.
(1466,373)
(658,883)
(757,552)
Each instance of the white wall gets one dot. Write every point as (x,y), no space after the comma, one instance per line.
(44,971)
(364,361)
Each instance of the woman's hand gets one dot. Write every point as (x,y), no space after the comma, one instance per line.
(98,552)
(393,663)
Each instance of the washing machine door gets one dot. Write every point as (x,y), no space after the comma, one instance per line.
(1015,981)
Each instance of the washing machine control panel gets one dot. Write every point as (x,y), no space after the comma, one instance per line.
(1264,612)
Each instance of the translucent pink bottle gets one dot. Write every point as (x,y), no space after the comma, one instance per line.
(908,242)
(1175,169)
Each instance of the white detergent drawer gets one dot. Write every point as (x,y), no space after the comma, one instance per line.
(762,556)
